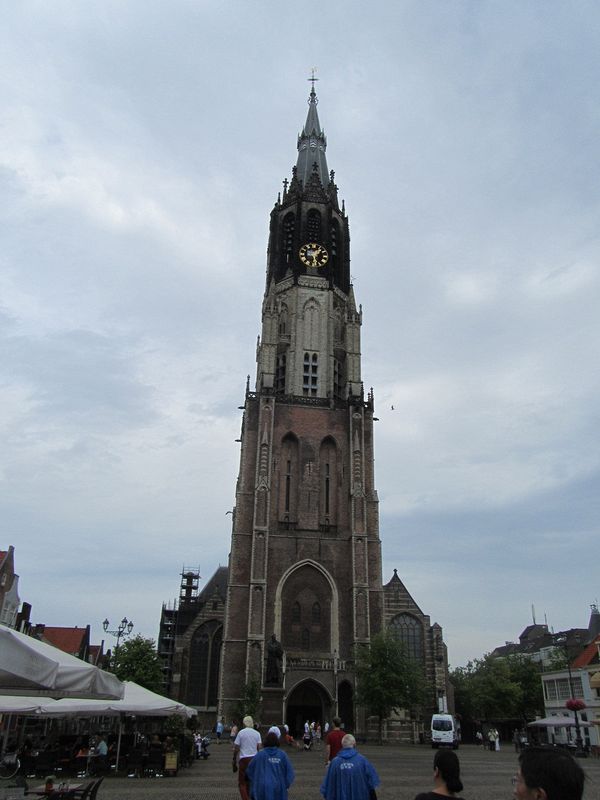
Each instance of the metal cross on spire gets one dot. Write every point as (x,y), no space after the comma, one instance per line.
(312,80)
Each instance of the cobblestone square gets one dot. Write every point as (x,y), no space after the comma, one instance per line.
(404,771)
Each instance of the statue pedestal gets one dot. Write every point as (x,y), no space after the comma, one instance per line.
(272,705)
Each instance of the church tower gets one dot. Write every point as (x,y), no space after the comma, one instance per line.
(305,583)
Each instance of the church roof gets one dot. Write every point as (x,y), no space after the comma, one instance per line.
(311,146)
(217,584)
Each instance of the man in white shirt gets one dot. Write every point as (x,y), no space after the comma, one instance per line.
(246,746)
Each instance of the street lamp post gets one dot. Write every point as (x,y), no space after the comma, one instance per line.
(124,628)
(579,751)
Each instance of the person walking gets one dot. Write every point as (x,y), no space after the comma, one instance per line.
(270,772)
(446,777)
(246,746)
(350,776)
(333,741)
(233,732)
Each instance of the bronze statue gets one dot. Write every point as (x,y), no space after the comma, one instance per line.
(274,656)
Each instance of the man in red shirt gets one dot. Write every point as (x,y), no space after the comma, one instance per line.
(334,740)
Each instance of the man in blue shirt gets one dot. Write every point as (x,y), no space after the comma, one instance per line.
(350,776)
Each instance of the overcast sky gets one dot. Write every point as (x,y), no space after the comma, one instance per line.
(142,146)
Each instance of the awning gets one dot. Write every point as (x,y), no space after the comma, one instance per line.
(22,705)
(136,701)
(30,667)
(558,722)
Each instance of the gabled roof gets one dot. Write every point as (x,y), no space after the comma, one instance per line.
(217,584)
(588,656)
(69,640)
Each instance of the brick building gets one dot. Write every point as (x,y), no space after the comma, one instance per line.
(9,588)
(304,585)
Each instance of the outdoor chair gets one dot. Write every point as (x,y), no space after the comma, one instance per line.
(45,762)
(135,763)
(84,792)
(155,763)
(95,787)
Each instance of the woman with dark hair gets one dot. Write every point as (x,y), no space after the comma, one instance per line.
(548,773)
(446,776)
(270,772)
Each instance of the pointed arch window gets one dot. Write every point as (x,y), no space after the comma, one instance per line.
(328,467)
(280,374)
(410,632)
(335,236)
(203,670)
(313,225)
(310,374)
(306,639)
(283,321)
(316,614)
(338,378)
(288,483)
(296,613)
(289,225)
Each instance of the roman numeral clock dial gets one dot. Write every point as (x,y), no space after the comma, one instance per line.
(313,255)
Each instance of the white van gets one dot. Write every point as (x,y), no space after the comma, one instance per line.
(444,732)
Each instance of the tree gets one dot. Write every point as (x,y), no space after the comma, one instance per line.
(250,699)
(527,675)
(137,660)
(387,678)
(498,688)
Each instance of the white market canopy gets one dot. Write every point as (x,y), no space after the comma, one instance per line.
(558,722)
(30,667)
(136,701)
(22,705)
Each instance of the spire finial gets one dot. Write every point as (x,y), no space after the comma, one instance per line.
(312,79)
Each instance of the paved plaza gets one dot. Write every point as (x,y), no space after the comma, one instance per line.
(404,771)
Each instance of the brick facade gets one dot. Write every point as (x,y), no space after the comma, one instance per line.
(305,560)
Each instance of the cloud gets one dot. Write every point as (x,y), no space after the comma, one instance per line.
(138,167)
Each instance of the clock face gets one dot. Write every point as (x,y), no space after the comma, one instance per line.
(313,255)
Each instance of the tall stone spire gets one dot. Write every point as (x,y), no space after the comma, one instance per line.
(312,144)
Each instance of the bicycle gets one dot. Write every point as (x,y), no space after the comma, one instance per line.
(9,766)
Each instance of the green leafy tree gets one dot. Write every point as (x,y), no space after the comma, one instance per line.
(461,679)
(558,659)
(249,702)
(137,660)
(527,675)
(498,688)
(387,678)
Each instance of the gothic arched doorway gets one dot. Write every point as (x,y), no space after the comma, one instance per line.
(307,701)
(346,705)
